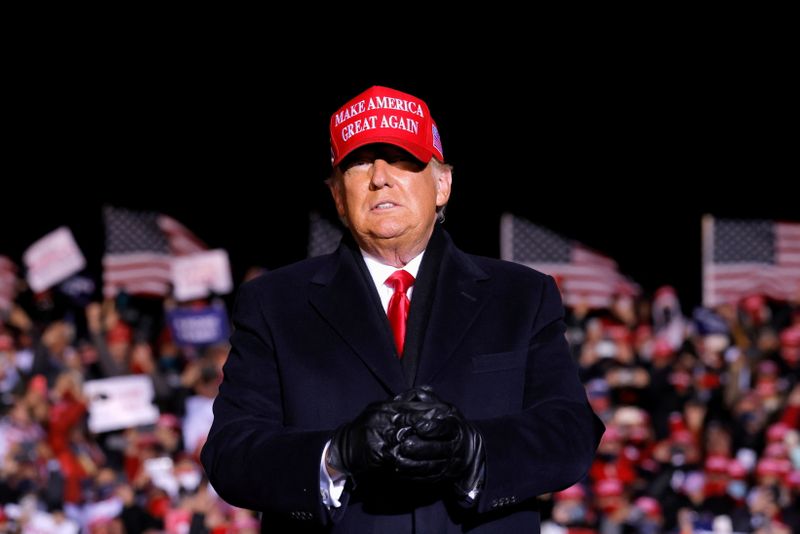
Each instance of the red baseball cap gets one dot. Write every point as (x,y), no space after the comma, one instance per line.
(384,115)
(650,506)
(6,342)
(717,464)
(574,492)
(790,337)
(736,469)
(608,487)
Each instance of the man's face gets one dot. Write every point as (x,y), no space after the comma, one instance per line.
(388,197)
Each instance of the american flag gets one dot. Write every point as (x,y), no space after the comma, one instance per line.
(750,257)
(437,141)
(139,247)
(323,235)
(8,283)
(584,276)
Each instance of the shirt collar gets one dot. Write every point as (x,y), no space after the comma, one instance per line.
(380,271)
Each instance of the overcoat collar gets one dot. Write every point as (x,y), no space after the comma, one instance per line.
(344,295)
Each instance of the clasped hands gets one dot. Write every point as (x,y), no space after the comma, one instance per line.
(416,435)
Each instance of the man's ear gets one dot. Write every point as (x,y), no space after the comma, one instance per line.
(444,180)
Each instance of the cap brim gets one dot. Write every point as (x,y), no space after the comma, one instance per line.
(421,153)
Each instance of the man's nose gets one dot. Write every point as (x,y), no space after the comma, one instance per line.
(381,174)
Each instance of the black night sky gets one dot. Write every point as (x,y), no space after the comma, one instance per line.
(624,155)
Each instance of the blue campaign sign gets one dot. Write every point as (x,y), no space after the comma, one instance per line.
(204,326)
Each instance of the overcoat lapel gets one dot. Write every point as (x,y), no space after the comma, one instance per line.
(461,292)
(341,295)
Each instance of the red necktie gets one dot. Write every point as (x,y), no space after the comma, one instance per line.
(398,306)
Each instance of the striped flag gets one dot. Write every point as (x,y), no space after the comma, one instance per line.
(584,276)
(750,257)
(437,140)
(139,248)
(323,235)
(8,283)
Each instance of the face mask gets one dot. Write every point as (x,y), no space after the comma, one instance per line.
(577,514)
(678,457)
(737,489)
(794,455)
(189,480)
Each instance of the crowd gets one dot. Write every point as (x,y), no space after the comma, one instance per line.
(58,476)
(702,416)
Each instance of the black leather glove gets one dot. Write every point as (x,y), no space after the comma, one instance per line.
(435,442)
(364,443)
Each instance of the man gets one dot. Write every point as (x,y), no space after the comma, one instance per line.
(345,410)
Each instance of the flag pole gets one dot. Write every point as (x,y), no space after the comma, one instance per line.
(709,289)
(507,237)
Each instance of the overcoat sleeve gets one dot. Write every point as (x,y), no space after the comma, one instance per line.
(550,444)
(252,459)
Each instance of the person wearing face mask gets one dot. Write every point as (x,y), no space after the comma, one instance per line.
(187,474)
(399,384)
(737,483)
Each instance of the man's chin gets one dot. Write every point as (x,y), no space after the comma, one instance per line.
(388,232)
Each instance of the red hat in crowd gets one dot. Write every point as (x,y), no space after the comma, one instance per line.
(790,337)
(790,344)
(611,435)
(777,431)
(38,384)
(665,292)
(777,467)
(168,420)
(6,342)
(383,115)
(736,469)
(608,487)
(617,332)
(775,450)
(649,506)
(682,437)
(662,348)
(753,303)
(717,464)
(572,493)
(119,333)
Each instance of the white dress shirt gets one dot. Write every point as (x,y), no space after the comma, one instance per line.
(331,488)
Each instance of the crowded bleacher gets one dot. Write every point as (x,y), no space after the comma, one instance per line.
(105,403)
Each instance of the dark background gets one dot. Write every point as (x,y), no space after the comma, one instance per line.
(623,153)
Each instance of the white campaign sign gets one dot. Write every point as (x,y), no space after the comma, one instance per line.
(195,275)
(52,259)
(120,402)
